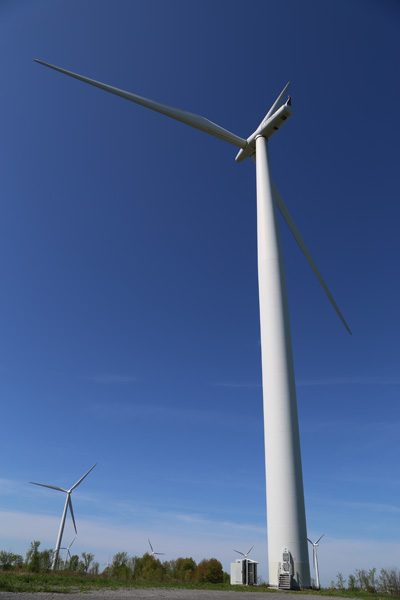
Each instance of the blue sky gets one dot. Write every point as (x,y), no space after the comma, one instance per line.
(129,302)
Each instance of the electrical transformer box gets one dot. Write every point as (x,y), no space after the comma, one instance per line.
(244,572)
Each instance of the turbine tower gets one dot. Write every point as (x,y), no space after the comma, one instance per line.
(286,519)
(68,503)
(315,558)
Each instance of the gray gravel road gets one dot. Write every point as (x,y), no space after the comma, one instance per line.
(159,594)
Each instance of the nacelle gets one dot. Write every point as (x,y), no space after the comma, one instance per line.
(267,128)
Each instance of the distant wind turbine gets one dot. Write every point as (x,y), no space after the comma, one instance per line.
(68,553)
(315,559)
(68,503)
(286,516)
(247,553)
(152,551)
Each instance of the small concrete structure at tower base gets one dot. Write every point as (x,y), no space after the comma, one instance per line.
(244,572)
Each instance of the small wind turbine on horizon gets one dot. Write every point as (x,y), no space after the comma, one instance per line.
(152,551)
(286,516)
(247,553)
(68,553)
(315,558)
(68,504)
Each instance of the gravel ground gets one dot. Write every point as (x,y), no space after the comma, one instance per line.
(158,594)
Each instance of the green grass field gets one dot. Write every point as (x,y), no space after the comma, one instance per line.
(69,583)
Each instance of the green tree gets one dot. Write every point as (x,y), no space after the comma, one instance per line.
(119,566)
(46,559)
(352,583)
(208,570)
(389,581)
(86,560)
(132,560)
(372,583)
(94,568)
(33,557)
(362,579)
(340,582)
(18,561)
(183,569)
(73,563)
(153,570)
(6,560)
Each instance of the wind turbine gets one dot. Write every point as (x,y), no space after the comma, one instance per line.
(68,503)
(286,518)
(152,551)
(68,553)
(247,553)
(315,559)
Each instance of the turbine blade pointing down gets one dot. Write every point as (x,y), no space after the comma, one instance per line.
(292,226)
(72,513)
(191,119)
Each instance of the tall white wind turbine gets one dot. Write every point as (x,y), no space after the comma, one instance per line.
(286,519)
(315,558)
(68,503)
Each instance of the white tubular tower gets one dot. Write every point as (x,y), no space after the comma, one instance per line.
(286,518)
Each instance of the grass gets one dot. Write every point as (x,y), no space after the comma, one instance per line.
(63,582)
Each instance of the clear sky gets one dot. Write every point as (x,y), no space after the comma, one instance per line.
(129,328)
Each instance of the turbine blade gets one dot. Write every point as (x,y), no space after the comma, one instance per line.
(82,478)
(320,538)
(72,513)
(278,102)
(238,552)
(188,118)
(249,550)
(150,545)
(310,541)
(291,224)
(52,487)
(159,553)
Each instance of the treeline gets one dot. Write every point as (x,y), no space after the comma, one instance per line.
(386,582)
(122,566)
